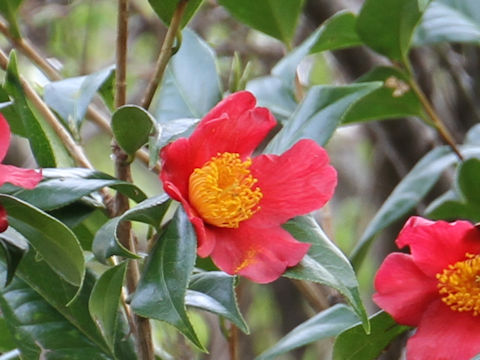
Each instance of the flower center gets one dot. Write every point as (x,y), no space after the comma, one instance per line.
(222,191)
(459,285)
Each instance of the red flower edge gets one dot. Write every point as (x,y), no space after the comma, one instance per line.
(294,183)
(25,178)
(407,288)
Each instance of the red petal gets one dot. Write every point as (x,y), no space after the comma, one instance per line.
(26,178)
(4,137)
(260,254)
(3,219)
(233,106)
(239,128)
(436,244)
(294,183)
(444,334)
(403,290)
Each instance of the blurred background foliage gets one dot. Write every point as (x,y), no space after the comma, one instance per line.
(78,37)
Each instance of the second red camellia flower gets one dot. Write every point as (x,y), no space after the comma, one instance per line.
(236,203)
(26,178)
(436,288)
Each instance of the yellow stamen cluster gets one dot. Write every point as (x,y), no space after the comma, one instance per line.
(459,285)
(223,192)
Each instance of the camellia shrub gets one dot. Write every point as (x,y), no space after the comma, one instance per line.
(98,264)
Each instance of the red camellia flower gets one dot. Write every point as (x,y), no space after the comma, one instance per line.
(236,203)
(436,288)
(26,178)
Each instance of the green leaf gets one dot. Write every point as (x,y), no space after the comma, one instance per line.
(70,97)
(166,8)
(274,94)
(106,243)
(14,248)
(179,97)
(214,291)
(131,126)
(325,324)
(325,263)
(355,344)
(317,117)
(449,21)
(56,243)
(39,329)
(7,342)
(57,293)
(40,143)
(268,16)
(9,9)
(336,33)
(161,291)
(387,26)
(394,99)
(464,201)
(105,299)
(61,187)
(408,193)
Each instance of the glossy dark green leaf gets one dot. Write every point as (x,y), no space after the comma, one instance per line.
(131,126)
(450,21)
(70,97)
(336,33)
(325,324)
(355,344)
(161,291)
(41,145)
(319,114)
(14,249)
(7,342)
(325,263)
(58,293)
(179,97)
(105,299)
(463,202)
(214,291)
(39,329)
(62,187)
(56,243)
(408,193)
(106,243)
(394,99)
(387,26)
(166,8)
(269,16)
(9,9)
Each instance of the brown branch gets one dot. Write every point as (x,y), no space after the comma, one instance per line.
(437,122)
(165,54)
(142,329)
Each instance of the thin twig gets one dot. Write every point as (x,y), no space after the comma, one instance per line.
(121,69)
(233,342)
(142,329)
(437,122)
(165,54)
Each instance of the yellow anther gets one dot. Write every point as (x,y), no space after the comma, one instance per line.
(459,285)
(223,191)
